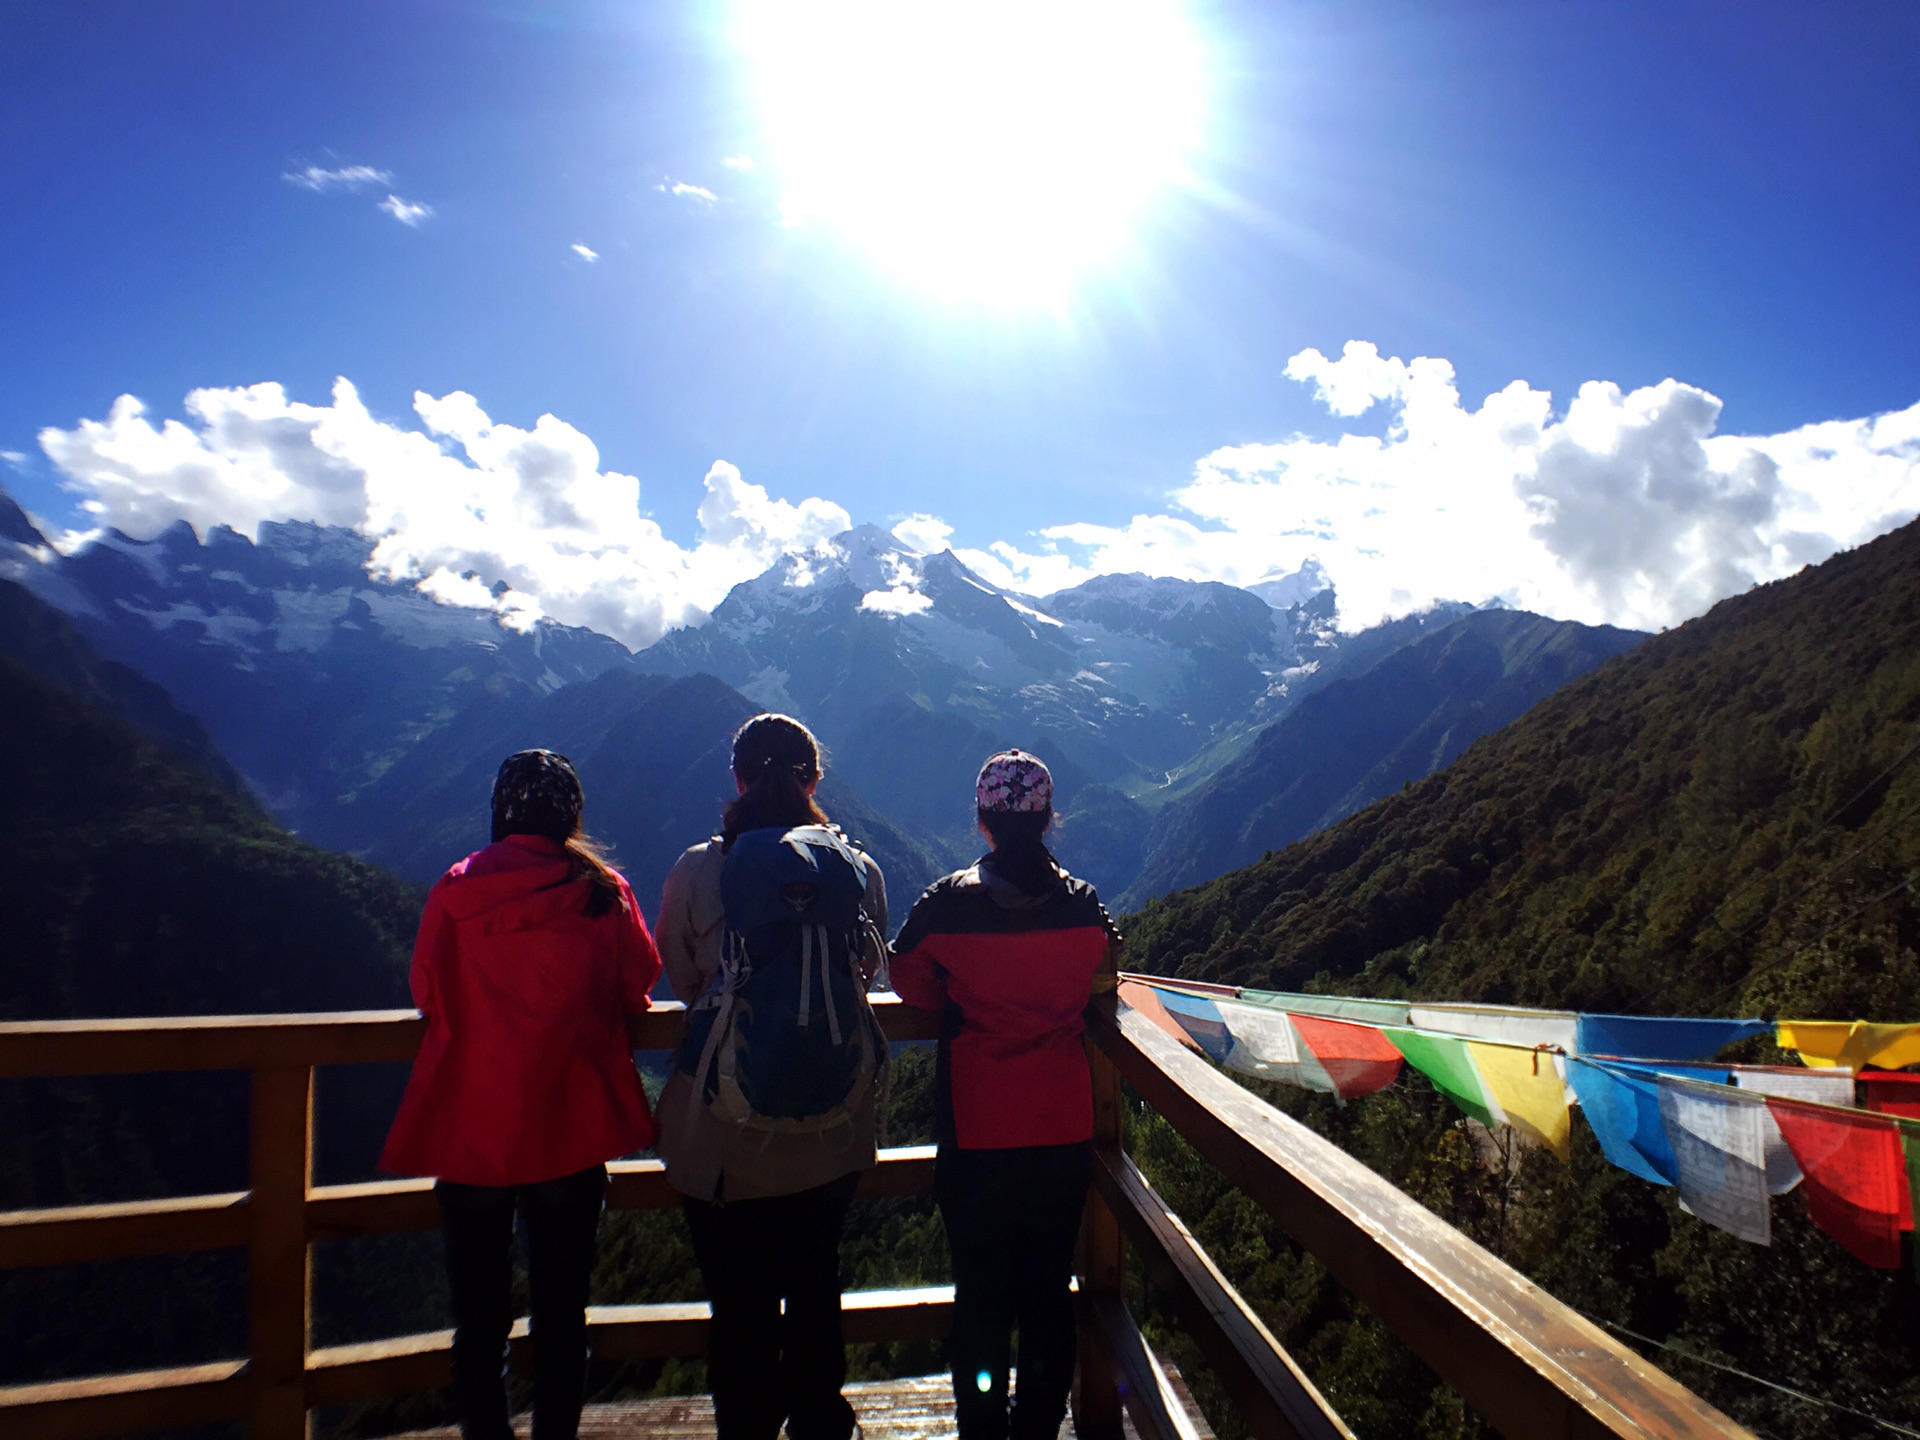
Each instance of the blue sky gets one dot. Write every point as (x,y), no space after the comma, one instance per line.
(1720,193)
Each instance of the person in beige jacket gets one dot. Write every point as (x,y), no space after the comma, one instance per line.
(766,1209)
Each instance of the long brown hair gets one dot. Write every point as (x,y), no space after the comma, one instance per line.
(777,759)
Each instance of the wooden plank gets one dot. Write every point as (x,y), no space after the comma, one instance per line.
(1272,1395)
(279,1265)
(115,1404)
(348,1037)
(1102,1270)
(615,1332)
(1155,1410)
(206,1042)
(1529,1365)
(75,1233)
(903,1170)
(374,1207)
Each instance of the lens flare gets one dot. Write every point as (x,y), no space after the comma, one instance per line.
(984,1380)
(985,149)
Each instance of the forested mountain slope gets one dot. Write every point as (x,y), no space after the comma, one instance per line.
(132,883)
(1722,819)
(49,645)
(1365,735)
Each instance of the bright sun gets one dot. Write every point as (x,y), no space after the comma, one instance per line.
(988,150)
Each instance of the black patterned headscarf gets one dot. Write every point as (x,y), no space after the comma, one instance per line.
(537,793)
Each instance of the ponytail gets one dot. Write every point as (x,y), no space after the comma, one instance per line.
(1020,854)
(603,881)
(777,759)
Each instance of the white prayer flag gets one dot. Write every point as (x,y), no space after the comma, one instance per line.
(1266,1044)
(1719,1149)
(1508,1024)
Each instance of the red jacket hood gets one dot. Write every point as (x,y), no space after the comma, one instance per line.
(524,872)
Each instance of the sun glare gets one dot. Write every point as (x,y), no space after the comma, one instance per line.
(985,150)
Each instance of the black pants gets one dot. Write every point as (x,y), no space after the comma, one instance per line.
(765,1367)
(477,1220)
(1013,1217)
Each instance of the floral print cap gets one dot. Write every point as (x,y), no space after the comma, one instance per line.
(536,793)
(1014,782)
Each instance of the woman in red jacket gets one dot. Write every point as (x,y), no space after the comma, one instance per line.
(1010,951)
(530,956)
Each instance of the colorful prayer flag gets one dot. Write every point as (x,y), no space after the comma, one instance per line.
(1910,1143)
(1358,1059)
(1822,1087)
(1511,1024)
(1444,1060)
(1652,1037)
(1623,1107)
(1332,1007)
(1528,1088)
(1266,1044)
(1202,1021)
(1147,1002)
(1856,1175)
(1718,1145)
(1892,1094)
(1851,1042)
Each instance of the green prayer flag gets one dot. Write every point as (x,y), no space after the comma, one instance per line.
(1910,1141)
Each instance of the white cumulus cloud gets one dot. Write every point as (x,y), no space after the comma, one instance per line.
(521,521)
(928,534)
(405,211)
(1627,508)
(740,162)
(684,191)
(585,253)
(347,177)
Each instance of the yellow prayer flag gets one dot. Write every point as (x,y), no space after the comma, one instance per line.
(1850,1042)
(1527,1085)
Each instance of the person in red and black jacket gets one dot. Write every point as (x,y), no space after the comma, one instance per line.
(531,954)
(1010,951)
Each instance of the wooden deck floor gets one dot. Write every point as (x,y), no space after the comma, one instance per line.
(916,1409)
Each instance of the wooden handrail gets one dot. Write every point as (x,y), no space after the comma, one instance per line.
(348,1037)
(1271,1393)
(282,1213)
(203,1394)
(74,1233)
(1529,1365)
(1526,1363)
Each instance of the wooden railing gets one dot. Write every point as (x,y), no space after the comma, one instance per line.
(1527,1364)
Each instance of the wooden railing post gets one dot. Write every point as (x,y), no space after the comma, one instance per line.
(279,1274)
(1102,1269)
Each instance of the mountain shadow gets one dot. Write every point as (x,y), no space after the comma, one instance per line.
(49,645)
(653,753)
(1364,736)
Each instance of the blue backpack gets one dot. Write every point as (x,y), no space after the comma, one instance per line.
(784,1039)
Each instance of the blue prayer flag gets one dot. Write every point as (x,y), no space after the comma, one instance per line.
(1202,1020)
(1624,1110)
(1648,1037)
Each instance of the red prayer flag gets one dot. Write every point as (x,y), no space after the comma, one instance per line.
(1856,1175)
(1359,1059)
(1892,1094)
